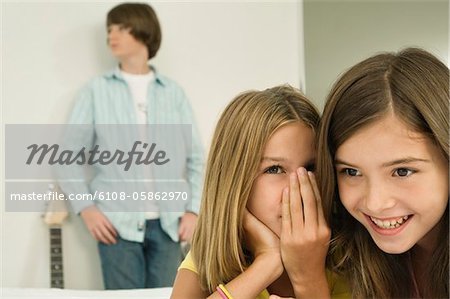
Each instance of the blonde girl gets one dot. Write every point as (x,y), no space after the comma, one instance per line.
(384,142)
(261,228)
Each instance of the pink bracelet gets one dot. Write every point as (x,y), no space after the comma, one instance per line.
(221,293)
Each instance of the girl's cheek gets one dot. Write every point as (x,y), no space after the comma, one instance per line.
(347,194)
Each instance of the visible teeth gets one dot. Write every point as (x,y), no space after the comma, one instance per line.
(389,224)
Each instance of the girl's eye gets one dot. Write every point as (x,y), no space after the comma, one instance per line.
(275,169)
(403,172)
(311,167)
(350,172)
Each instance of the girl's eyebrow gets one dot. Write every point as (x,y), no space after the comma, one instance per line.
(342,162)
(405,160)
(284,160)
(273,159)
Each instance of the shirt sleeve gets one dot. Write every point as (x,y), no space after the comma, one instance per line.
(338,286)
(79,133)
(188,263)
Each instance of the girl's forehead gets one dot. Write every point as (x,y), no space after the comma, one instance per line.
(389,124)
(384,140)
(292,140)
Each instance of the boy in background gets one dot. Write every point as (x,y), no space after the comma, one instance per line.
(137,249)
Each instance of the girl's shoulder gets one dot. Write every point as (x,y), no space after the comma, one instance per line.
(188,263)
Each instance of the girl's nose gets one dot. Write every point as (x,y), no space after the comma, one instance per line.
(378,198)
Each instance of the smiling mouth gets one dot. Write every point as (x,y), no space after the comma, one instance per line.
(391,223)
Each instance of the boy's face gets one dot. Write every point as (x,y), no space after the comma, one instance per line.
(123,45)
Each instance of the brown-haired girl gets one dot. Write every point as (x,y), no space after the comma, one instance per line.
(384,175)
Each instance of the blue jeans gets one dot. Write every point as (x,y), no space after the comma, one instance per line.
(131,265)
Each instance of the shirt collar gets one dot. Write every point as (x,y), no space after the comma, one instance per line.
(116,74)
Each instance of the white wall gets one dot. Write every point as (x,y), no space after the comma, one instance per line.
(50,49)
(339,34)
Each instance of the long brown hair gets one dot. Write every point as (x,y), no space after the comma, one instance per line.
(414,85)
(234,158)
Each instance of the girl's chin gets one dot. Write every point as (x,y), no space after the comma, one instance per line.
(392,248)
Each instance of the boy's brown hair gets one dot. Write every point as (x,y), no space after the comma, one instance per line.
(143,22)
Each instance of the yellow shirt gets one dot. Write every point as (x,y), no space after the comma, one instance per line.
(339,288)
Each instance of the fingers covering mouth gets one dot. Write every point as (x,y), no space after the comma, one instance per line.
(391,223)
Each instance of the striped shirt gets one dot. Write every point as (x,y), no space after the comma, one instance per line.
(107,100)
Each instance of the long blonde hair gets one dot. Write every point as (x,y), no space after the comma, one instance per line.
(414,85)
(234,158)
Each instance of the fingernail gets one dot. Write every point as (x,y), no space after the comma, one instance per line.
(301,171)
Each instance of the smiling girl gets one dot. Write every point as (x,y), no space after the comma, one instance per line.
(384,140)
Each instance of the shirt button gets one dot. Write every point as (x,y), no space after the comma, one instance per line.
(140,226)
